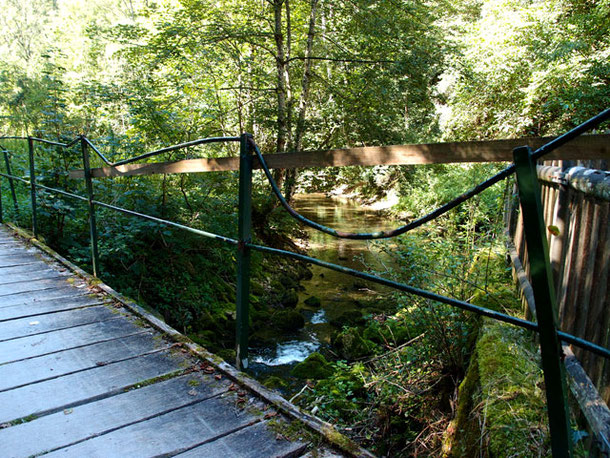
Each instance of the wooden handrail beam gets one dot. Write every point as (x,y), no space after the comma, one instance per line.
(586,147)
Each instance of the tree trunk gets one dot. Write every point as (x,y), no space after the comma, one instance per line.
(291,174)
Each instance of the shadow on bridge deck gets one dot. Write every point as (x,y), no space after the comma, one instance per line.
(80,375)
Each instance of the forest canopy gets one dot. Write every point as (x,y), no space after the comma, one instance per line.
(136,75)
(302,75)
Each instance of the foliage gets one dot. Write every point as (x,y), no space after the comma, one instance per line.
(528,68)
(137,75)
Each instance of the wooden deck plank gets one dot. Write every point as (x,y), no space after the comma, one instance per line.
(6,273)
(86,386)
(16,262)
(79,376)
(57,364)
(23,327)
(99,417)
(23,252)
(8,289)
(32,275)
(37,296)
(12,312)
(255,441)
(50,342)
(167,433)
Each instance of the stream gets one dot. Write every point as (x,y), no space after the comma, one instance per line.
(337,292)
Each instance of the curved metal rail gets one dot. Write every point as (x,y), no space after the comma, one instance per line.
(540,152)
(524,160)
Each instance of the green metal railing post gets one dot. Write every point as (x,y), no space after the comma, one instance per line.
(243,252)
(544,298)
(32,185)
(95,260)
(11,183)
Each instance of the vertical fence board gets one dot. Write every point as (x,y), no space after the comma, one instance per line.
(579,248)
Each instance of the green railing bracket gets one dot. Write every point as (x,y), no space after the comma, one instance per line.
(244,236)
(544,296)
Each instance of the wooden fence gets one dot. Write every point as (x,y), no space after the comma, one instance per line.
(576,201)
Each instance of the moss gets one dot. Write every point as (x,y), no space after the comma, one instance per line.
(20,421)
(347,318)
(314,367)
(194,382)
(154,380)
(289,298)
(227,354)
(203,338)
(293,431)
(336,438)
(273,382)
(288,320)
(501,405)
(352,346)
(313,301)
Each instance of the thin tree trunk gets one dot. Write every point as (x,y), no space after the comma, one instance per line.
(291,175)
(282,83)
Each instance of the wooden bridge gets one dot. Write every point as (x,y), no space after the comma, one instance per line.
(81,375)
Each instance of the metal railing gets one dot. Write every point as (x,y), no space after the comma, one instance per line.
(529,194)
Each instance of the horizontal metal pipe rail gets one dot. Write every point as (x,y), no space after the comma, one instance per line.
(529,325)
(528,196)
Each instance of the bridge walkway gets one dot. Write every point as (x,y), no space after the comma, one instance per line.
(82,376)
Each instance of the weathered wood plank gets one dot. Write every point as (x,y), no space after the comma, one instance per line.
(17,260)
(86,421)
(252,442)
(23,327)
(15,248)
(42,274)
(7,274)
(166,434)
(9,289)
(86,386)
(77,359)
(36,296)
(592,405)
(584,147)
(51,306)
(50,342)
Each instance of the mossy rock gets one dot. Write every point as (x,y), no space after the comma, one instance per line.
(288,281)
(313,301)
(351,345)
(288,320)
(348,318)
(314,367)
(290,298)
(274,383)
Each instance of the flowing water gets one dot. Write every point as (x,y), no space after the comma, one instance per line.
(337,292)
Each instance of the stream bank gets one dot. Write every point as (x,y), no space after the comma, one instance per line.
(327,300)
